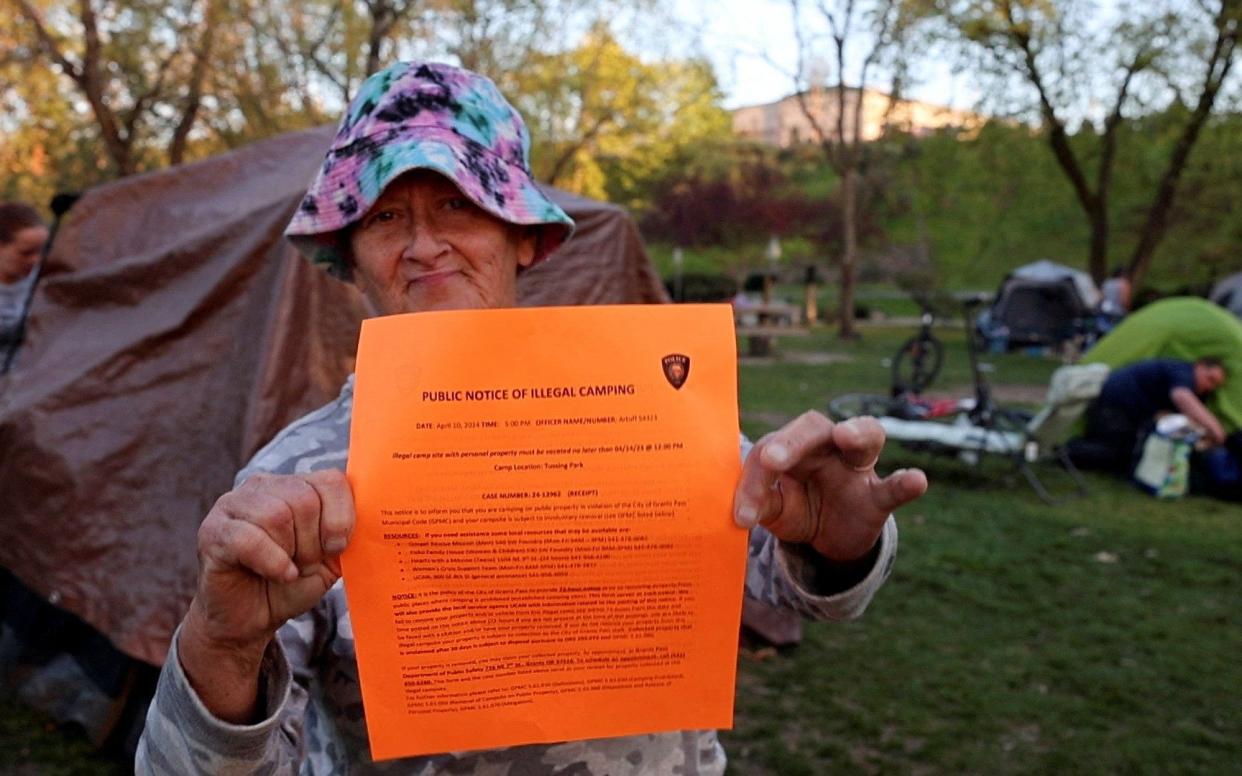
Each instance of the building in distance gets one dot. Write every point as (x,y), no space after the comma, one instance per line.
(784,123)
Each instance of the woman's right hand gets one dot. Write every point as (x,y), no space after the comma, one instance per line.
(267,552)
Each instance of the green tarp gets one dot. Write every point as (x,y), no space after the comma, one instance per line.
(1187,328)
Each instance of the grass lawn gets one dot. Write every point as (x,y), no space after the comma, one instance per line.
(31,745)
(1102,636)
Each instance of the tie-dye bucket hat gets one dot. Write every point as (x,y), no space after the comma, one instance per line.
(419,115)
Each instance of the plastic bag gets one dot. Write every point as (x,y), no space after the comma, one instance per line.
(1164,467)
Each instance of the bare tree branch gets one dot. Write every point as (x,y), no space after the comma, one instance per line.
(802,86)
(584,139)
(92,83)
(1226,20)
(198,74)
(143,100)
(312,53)
(843,146)
(1057,135)
(48,41)
(1108,143)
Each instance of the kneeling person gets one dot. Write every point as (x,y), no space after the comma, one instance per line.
(1135,395)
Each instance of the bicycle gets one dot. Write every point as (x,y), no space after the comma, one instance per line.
(972,427)
(917,363)
(919,359)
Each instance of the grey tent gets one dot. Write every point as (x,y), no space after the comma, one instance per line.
(1042,303)
(1228,293)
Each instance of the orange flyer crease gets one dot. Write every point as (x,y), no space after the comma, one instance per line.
(544,548)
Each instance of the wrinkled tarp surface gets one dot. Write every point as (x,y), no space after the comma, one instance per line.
(174,333)
(1182,327)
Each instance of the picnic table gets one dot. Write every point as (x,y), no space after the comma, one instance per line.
(760,323)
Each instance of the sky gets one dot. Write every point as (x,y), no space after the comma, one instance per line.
(752,45)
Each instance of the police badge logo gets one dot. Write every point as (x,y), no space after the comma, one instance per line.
(676,369)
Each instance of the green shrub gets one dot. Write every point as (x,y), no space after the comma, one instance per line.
(702,287)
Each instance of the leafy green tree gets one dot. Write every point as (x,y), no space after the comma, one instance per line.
(501,38)
(1057,61)
(605,122)
(141,68)
(45,145)
(159,78)
(155,82)
(979,205)
(329,46)
(975,206)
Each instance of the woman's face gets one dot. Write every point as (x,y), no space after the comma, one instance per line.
(424,245)
(19,255)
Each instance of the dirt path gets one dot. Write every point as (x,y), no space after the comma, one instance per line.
(806,357)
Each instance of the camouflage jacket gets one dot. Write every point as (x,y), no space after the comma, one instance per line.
(314,722)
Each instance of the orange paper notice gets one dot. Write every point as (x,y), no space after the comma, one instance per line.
(544,549)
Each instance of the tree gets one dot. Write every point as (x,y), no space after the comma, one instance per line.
(270,72)
(605,121)
(1225,22)
(141,68)
(835,110)
(1070,63)
(41,148)
(155,82)
(501,38)
(332,46)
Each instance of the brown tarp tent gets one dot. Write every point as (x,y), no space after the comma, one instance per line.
(174,332)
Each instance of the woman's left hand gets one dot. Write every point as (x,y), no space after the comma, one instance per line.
(814,482)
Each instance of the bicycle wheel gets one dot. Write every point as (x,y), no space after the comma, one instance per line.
(917,364)
(852,405)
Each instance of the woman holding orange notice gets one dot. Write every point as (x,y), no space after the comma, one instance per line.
(425,201)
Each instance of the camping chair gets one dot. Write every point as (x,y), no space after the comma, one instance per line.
(1042,439)
(1072,388)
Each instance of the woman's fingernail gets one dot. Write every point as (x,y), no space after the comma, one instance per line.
(778,453)
(747,516)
